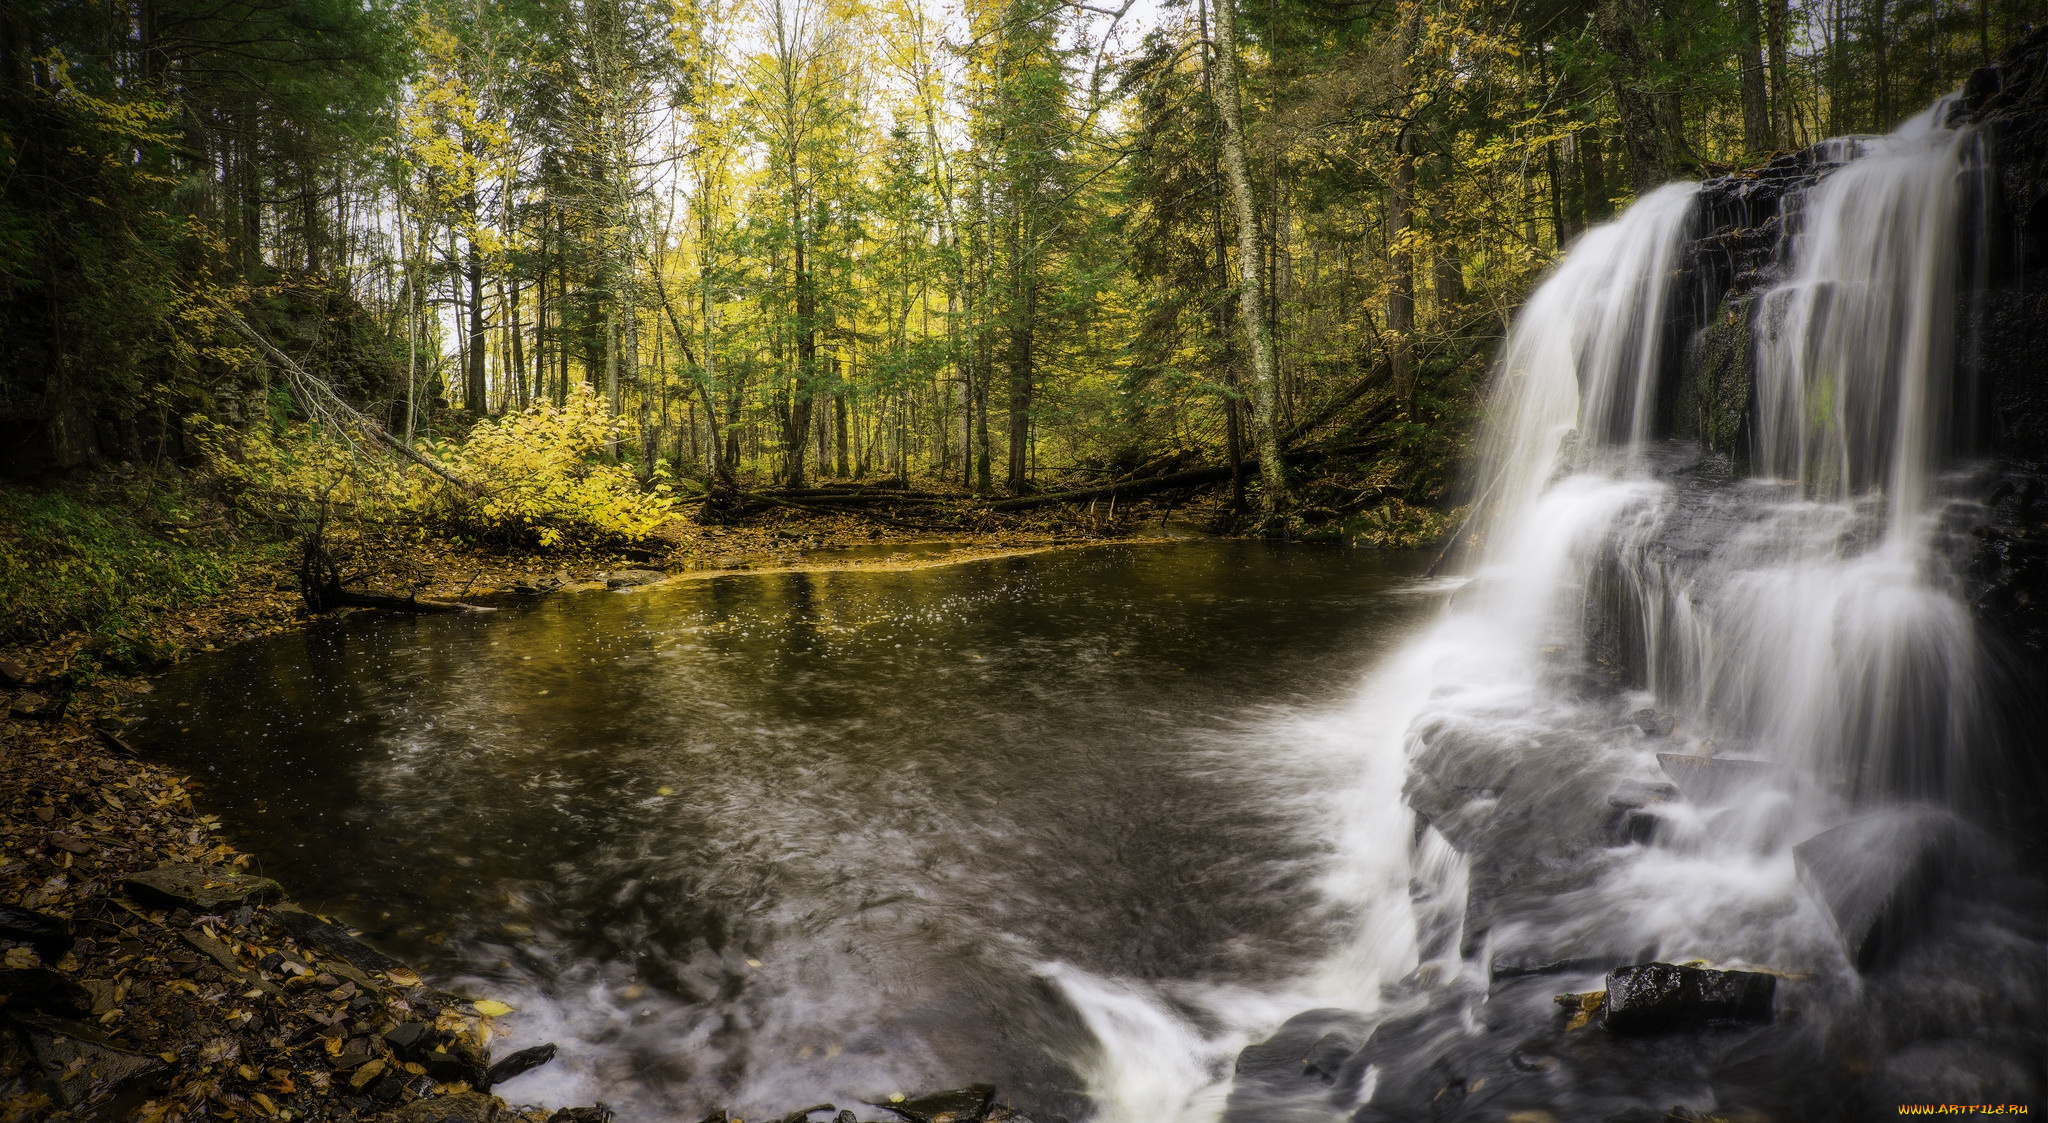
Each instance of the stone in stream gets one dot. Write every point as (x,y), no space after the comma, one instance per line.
(627,578)
(1709,780)
(1653,723)
(1649,997)
(331,938)
(518,1064)
(206,889)
(1875,875)
(50,936)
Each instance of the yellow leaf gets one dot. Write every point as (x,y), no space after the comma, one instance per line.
(491,1008)
(403,977)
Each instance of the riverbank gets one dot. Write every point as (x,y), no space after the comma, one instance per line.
(129,996)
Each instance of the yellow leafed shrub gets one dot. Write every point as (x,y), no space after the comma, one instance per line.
(541,478)
(536,478)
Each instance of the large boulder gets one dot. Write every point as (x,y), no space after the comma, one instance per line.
(1874,877)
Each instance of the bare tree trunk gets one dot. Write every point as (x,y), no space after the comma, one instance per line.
(1251,306)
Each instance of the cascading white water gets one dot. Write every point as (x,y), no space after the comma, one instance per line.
(1804,619)
(1855,350)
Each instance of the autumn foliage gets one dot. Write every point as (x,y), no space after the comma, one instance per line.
(540,477)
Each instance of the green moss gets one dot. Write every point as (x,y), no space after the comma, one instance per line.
(1714,398)
(106,563)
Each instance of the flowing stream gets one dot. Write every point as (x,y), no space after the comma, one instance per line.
(1089,825)
(764,841)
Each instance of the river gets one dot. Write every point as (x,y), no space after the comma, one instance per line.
(763,841)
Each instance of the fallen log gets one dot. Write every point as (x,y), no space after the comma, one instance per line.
(1177,481)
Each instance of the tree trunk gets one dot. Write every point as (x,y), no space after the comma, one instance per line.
(1023,310)
(1233,435)
(1749,53)
(1647,132)
(1777,16)
(1251,307)
(474,388)
(611,378)
(841,469)
(518,366)
(1401,261)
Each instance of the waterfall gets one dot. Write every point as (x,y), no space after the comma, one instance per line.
(1669,666)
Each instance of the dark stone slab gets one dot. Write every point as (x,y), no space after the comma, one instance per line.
(1710,780)
(518,1064)
(80,1067)
(206,889)
(409,1039)
(1875,875)
(1652,997)
(331,938)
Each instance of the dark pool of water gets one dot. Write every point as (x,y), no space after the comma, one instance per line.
(767,840)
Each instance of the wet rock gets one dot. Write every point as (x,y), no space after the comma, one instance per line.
(1304,1057)
(964,1105)
(1875,876)
(39,988)
(627,578)
(35,707)
(49,935)
(455,1066)
(206,889)
(1653,723)
(597,1113)
(1711,780)
(1649,997)
(806,1113)
(408,1039)
(79,1066)
(353,1055)
(518,1064)
(331,938)
(12,674)
(462,1107)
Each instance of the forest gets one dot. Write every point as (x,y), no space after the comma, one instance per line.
(1015,246)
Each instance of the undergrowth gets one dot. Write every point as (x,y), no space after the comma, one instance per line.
(108,558)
